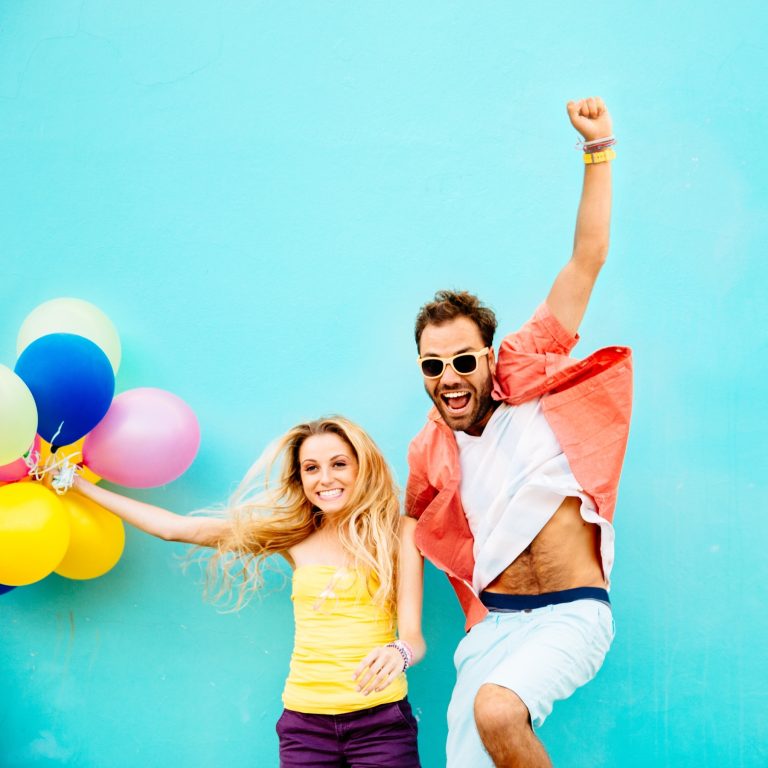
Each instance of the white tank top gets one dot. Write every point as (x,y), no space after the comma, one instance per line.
(513,478)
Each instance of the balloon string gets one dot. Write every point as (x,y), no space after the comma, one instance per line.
(63,481)
(53,439)
(62,470)
(32,459)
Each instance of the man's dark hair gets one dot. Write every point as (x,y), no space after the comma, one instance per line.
(448,305)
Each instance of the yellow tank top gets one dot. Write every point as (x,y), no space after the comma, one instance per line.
(337,625)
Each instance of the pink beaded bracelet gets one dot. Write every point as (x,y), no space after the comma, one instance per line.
(404,650)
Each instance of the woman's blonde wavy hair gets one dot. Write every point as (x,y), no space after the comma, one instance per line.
(270,516)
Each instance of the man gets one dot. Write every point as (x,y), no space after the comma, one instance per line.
(513,481)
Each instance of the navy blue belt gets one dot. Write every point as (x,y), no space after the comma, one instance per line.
(498,601)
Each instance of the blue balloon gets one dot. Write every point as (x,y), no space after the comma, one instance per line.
(72,382)
(4,588)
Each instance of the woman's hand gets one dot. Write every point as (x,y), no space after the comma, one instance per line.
(378,669)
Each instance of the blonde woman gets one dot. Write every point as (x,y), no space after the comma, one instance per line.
(333,514)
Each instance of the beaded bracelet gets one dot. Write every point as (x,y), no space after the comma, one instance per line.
(404,650)
(599,147)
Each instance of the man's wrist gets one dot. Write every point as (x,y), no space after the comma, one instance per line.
(598,150)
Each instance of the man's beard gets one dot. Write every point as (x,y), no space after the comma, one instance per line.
(482,400)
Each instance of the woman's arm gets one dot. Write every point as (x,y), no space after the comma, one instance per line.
(382,665)
(410,591)
(203,531)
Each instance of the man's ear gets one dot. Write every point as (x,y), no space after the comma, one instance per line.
(492,361)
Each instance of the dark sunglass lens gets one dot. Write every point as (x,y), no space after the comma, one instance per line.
(431,367)
(464,363)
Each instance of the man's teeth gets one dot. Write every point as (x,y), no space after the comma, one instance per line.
(451,395)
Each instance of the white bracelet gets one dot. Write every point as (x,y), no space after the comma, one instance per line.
(599,141)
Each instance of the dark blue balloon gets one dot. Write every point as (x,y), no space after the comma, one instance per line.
(72,382)
(4,588)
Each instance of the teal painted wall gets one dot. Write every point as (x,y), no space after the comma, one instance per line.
(260,195)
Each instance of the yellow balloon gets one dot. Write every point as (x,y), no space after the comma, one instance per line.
(75,453)
(34,533)
(96,542)
(76,316)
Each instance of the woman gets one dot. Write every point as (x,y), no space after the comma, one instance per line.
(334,515)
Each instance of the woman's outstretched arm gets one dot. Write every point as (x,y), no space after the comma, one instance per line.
(167,525)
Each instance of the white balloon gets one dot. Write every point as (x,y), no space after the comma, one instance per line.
(71,316)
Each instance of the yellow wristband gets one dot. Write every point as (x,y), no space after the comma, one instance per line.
(591,158)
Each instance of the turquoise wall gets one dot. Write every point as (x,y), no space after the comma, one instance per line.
(260,195)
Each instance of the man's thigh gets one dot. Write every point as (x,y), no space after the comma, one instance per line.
(542,655)
(564,649)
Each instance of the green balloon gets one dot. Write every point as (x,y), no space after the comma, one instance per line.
(18,417)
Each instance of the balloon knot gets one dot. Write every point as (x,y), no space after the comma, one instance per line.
(61,469)
(64,478)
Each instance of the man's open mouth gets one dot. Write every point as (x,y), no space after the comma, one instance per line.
(456,400)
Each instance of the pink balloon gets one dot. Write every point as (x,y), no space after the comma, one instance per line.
(148,437)
(16,470)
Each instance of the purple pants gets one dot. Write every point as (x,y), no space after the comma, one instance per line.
(379,737)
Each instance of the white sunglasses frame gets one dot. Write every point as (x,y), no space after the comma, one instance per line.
(446,361)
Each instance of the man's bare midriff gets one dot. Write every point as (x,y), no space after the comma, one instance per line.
(565,554)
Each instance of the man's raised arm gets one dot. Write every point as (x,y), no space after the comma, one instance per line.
(572,288)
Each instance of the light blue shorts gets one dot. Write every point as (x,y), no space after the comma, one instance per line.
(542,655)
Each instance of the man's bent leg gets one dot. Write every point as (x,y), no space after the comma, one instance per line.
(538,656)
(542,655)
(505,729)
(477,655)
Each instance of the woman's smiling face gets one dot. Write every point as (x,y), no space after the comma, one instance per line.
(328,471)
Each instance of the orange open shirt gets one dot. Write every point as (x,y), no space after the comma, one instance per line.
(587,404)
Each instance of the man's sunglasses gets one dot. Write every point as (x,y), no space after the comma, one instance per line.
(464,363)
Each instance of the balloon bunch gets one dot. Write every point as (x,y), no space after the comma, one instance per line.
(59,414)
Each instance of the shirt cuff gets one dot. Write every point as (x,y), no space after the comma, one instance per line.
(555,328)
